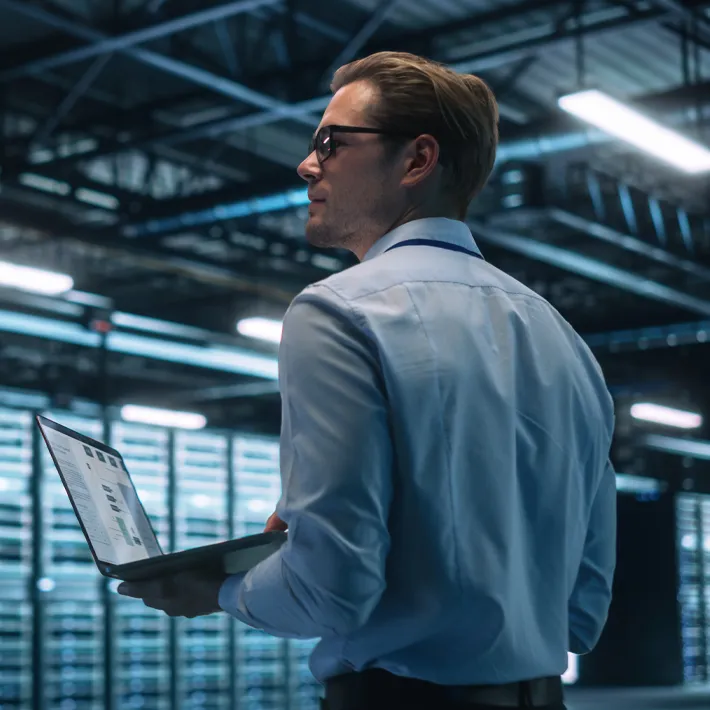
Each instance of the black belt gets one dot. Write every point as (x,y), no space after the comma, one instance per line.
(375,687)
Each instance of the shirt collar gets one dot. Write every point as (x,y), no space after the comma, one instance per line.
(440,229)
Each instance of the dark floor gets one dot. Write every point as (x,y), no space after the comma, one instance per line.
(682,698)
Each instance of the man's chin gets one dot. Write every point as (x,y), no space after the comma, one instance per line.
(317,235)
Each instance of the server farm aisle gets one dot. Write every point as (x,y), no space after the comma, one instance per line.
(69,642)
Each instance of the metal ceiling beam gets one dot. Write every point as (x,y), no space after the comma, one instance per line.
(220,212)
(229,51)
(651,338)
(628,243)
(125,41)
(511,52)
(221,85)
(240,205)
(16,159)
(43,133)
(262,262)
(688,13)
(452,29)
(590,268)
(209,129)
(254,189)
(524,46)
(320,27)
(151,257)
(359,39)
(468,58)
(55,184)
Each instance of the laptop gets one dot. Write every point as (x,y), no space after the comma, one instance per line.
(113,520)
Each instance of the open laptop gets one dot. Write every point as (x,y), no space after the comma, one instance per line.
(114,522)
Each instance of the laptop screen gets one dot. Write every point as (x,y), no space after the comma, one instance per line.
(104,497)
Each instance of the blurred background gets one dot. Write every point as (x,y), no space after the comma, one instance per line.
(151,239)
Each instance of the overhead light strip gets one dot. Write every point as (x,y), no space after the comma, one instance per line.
(261,328)
(162,417)
(667,416)
(222,358)
(695,448)
(27,278)
(230,210)
(623,122)
(210,357)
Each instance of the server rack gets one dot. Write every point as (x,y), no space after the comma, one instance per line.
(201,506)
(15,646)
(304,690)
(16,559)
(72,612)
(262,681)
(693,545)
(144,645)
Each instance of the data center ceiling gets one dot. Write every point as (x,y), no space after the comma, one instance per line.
(149,150)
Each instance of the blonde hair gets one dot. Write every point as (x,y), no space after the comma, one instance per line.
(418,96)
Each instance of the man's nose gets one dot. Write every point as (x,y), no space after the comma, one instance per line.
(310,169)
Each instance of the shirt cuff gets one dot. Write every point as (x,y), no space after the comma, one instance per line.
(228,598)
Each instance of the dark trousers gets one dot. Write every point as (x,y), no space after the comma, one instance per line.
(377,689)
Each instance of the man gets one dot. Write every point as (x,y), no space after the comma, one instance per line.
(445,435)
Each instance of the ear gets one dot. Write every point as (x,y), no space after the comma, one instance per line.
(420,160)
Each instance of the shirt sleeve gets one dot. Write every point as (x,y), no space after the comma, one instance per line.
(336,472)
(591,596)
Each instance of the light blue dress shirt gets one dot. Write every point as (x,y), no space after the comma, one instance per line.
(446,481)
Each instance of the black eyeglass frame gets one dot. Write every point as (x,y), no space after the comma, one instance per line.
(324,137)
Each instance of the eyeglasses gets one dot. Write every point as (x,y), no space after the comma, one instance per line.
(322,142)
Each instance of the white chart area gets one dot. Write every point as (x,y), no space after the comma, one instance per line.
(105,500)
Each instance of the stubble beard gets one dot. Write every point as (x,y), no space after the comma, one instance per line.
(321,234)
(345,230)
(318,235)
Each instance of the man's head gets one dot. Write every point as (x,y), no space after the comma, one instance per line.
(432,149)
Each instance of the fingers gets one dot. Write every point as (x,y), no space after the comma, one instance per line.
(275,524)
(149,588)
(170,608)
(131,589)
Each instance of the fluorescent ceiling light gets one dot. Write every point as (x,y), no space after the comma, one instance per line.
(162,417)
(48,328)
(100,199)
(212,357)
(629,483)
(230,210)
(262,328)
(683,447)
(45,184)
(625,123)
(36,280)
(666,415)
(223,358)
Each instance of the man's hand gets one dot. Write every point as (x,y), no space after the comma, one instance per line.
(275,524)
(188,594)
